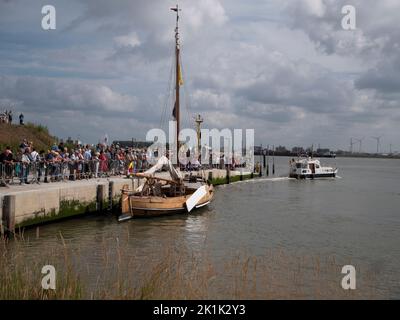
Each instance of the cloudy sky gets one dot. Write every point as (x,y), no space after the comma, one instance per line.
(283,67)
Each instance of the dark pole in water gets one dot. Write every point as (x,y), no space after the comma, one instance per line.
(267,160)
(8,225)
(261,165)
(273,160)
(264,158)
(110,195)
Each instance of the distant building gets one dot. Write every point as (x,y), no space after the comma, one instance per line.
(281,149)
(257,150)
(323,151)
(69,141)
(132,144)
(298,150)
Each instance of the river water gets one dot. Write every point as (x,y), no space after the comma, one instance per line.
(355,218)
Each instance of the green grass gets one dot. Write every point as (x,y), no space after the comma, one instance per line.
(224,180)
(37,128)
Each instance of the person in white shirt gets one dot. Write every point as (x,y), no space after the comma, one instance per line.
(34,155)
(26,160)
(35,165)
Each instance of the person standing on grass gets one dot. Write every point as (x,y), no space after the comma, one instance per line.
(10,117)
(21,119)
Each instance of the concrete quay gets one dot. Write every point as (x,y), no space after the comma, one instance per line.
(29,205)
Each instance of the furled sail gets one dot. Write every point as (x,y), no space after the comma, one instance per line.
(164,161)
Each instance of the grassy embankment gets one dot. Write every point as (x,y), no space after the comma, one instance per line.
(12,135)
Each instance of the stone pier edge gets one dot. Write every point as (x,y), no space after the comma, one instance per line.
(27,208)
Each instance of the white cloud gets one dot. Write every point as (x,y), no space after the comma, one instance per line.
(315,7)
(41,95)
(130,40)
(282,65)
(205,12)
(206,99)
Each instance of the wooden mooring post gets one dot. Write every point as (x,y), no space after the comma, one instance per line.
(100,197)
(8,215)
(210,176)
(110,195)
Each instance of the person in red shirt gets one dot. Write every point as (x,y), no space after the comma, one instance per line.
(103,162)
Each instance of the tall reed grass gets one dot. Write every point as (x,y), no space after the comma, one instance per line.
(171,273)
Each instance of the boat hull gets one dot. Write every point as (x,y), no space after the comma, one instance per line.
(142,206)
(312,176)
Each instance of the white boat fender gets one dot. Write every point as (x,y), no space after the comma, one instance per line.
(195,198)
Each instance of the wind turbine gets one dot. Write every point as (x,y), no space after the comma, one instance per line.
(360,142)
(378,143)
(352,143)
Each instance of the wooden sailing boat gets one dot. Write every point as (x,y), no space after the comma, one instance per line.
(159,195)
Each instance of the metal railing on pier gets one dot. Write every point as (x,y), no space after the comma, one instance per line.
(68,170)
(45,171)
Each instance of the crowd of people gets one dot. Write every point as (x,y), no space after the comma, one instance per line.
(60,163)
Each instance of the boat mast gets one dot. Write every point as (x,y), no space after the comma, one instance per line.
(177,80)
(198,121)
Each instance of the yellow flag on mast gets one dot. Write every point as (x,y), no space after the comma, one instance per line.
(180,79)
